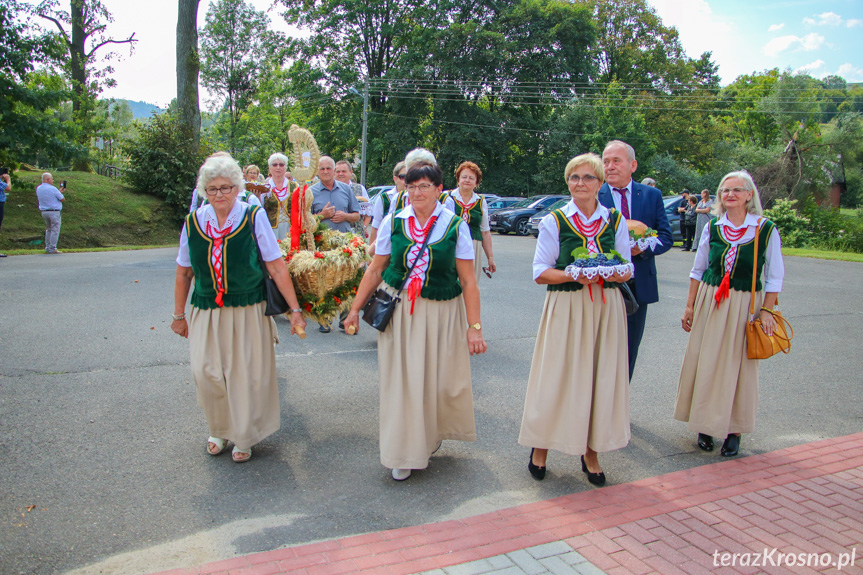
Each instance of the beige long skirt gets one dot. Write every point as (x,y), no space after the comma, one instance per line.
(718,388)
(578,389)
(425,384)
(234,369)
(477,259)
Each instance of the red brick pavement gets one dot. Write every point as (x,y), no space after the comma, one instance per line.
(804,499)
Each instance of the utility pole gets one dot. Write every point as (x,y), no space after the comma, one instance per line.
(365,131)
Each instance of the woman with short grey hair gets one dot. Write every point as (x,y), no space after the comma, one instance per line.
(276,201)
(230,338)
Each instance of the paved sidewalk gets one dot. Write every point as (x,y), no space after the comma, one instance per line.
(784,510)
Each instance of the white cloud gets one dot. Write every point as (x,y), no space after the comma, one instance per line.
(812,68)
(776,27)
(854,23)
(781,44)
(850,72)
(824,19)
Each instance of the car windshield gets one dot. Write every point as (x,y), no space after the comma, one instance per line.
(522,203)
(670,203)
(539,203)
(557,204)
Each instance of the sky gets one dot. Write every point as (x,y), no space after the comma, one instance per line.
(819,37)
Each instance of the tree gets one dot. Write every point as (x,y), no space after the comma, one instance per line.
(29,98)
(87,21)
(235,43)
(188,68)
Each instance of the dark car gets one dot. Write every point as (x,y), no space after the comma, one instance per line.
(534,220)
(499,203)
(515,217)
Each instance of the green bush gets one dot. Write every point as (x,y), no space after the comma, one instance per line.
(162,163)
(832,230)
(794,228)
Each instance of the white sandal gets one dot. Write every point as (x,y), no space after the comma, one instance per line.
(241,455)
(221,445)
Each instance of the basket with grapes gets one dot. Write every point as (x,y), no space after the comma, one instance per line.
(642,236)
(589,266)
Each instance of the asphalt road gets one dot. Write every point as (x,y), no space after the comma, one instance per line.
(101,434)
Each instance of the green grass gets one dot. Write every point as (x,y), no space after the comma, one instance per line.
(822,254)
(99,213)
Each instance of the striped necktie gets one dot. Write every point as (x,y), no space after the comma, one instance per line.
(624,203)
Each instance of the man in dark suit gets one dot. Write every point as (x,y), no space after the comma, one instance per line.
(637,202)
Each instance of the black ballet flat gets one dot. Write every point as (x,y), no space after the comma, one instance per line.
(536,471)
(595,478)
(731,445)
(705,442)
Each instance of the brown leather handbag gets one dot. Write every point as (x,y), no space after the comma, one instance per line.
(759,345)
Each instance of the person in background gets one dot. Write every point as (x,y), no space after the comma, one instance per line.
(51,202)
(276,200)
(687,224)
(383,201)
(703,210)
(345,174)
(5,186)
(717,393)
(643,203)
(472,208)
(231,340)
(424,352)
(577,397)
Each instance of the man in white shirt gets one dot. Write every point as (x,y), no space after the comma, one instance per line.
(50,204)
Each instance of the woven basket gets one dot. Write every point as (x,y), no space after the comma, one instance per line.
(320,281)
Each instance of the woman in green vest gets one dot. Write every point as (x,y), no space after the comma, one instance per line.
(718,389)
(230,338)
(472,208)
(424,352)
(577,397)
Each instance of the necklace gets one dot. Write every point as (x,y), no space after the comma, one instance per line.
(733,235)
(419,235)
(587,230)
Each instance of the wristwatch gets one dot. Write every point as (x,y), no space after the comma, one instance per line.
(476,326)
(298,310)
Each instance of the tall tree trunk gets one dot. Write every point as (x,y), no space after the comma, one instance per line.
(188,68)
(81,109)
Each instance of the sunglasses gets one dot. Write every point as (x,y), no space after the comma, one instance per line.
(402,176)
(486,272)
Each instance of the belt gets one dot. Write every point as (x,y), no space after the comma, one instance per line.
(50,210)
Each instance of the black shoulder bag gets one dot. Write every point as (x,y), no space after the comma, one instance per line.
(380,308)
(276,304)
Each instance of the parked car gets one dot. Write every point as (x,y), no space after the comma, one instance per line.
(499,203)
(533,223)
(515,217)
(374,191)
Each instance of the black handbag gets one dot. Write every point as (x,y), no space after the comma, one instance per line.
(628,298)
(380,308)
(276,304)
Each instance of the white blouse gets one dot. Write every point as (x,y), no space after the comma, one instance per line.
(463,249)
(548,242)
(483,224)
(269,247)
(774,268)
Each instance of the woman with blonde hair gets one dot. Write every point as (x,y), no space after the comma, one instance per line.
(577,397)
(718,389)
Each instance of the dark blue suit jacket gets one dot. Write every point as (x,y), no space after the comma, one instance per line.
(647,208)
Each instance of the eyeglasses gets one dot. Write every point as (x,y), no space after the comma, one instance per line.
(402,177)
(278,165)
(586,179)
(224,190)
(735,190)
(421,187)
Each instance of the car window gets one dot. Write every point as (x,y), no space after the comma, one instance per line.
(522,203)
(542,203)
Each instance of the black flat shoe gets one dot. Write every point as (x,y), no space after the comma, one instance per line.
(705,442)
(594,478)
(731,445)
(536,471)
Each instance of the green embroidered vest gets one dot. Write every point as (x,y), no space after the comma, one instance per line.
(741,270)
(472,216)
(570,238)
(243,278)
(441,278)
